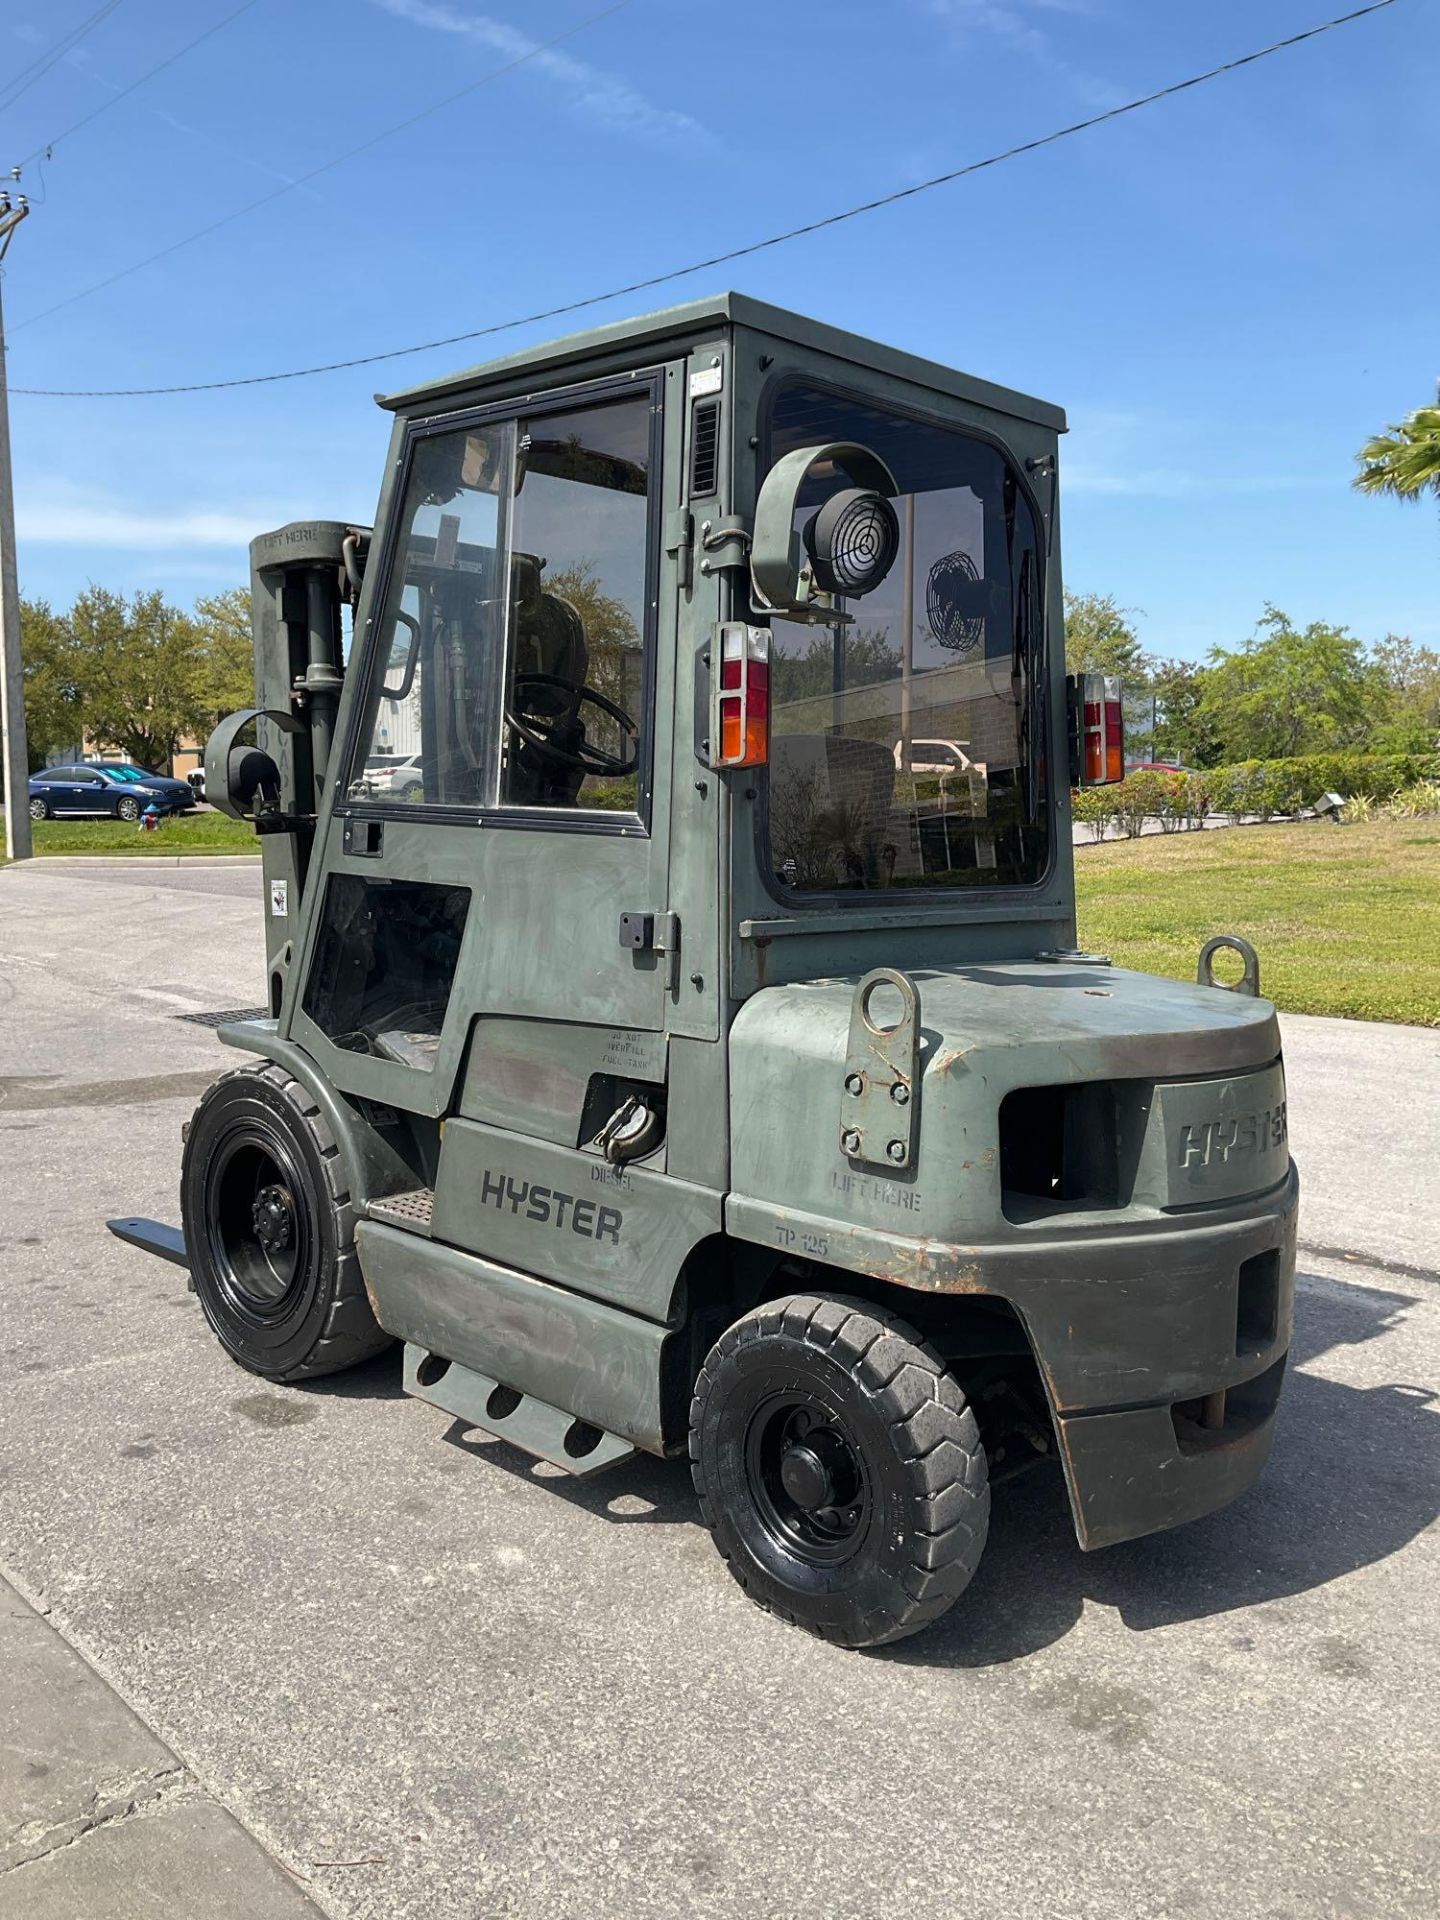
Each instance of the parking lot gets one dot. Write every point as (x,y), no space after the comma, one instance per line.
(429,1679)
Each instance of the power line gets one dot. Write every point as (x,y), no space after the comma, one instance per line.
(115,98)
(38,68)
(326,166)
(735,253)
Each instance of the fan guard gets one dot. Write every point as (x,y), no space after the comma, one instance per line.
(949,602)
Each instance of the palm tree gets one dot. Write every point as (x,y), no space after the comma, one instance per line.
(1405,461)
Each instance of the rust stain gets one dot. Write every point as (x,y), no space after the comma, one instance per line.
(952,1058)
(930,1266)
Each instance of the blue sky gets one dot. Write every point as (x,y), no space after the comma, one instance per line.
(1228,292)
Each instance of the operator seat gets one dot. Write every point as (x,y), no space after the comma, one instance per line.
(548,636)
(549,633)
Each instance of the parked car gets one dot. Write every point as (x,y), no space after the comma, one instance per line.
(390,776)
(108,789)
(196,778)
(929,757)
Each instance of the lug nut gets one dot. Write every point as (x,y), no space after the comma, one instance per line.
(850,1140)
(896,1149)
(900,1094)
(855,1083)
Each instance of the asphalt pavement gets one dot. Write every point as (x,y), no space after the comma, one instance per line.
(323,1647)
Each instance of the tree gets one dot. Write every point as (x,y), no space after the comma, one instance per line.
(1412,677)
(868,656)
(1290,690)
(1181,734)
(1100,639)
(228,650)
(616,661)
(52,708)
(1404,461)
(139,668)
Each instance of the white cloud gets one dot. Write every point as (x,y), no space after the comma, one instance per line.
(602,96)
(67,519)
(1014,20)
(1110,451)
(1026,26)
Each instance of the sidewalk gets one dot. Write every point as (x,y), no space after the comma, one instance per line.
(101,1820)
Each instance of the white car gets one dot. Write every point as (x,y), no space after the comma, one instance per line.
(928,757)
(390,776)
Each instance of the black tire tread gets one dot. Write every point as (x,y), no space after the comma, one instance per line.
(903,1377)
(351,1333)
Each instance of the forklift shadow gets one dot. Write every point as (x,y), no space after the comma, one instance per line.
(378,1378)
(1351,1480)
(642,1488)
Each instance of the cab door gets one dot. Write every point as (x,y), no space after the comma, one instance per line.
(462,947)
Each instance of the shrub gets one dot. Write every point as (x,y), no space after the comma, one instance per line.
(1151,795)
(1268,787)
(1261,789)
(1095,807)
(1357,810)
(1419,801)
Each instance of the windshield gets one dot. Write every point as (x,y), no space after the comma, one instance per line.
(907,743)
(130,775)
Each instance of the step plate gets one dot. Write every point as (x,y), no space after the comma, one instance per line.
(531,1424)
(412,1211)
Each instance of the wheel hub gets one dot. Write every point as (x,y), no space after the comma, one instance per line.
(807,1480)
(806,1477)
(274,1218)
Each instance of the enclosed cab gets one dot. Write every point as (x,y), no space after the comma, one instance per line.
(692,1052)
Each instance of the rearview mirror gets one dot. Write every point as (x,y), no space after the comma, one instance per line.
(244,781)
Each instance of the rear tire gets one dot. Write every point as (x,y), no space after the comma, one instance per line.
(39,809)
(270,1230)
(839,1468)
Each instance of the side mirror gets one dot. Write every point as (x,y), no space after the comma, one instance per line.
(846,547)
(244,781)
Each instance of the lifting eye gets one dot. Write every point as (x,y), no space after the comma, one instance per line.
(852,541)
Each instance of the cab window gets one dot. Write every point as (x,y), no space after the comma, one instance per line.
(575,678)
(907,741)
(511,668)
(434,682)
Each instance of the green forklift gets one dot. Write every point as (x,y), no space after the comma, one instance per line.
(677,1036)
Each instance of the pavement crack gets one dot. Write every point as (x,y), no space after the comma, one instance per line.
(132,1797)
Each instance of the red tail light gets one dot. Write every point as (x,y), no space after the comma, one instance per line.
(1099,737)
(740,701)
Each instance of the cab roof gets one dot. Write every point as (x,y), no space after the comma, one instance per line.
(698,317)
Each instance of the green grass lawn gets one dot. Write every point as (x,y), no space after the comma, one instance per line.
(1346,920)
(185,833)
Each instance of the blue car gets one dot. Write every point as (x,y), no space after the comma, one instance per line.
(116,790)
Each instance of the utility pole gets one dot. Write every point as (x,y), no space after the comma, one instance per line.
(12,674)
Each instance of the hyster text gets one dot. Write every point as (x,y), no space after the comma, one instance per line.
(548,1206)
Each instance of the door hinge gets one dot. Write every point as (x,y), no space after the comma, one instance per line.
(654,933)
(680,540)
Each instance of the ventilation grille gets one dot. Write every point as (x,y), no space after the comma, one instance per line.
(705,450)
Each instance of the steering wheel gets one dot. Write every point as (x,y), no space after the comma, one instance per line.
(559,736)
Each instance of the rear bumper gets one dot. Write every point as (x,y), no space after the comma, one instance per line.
(1144,1469)
(1143,1340)
(1130,1329)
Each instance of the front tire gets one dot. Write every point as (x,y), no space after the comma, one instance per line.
(270,1230)
(127,808)
(839,1468)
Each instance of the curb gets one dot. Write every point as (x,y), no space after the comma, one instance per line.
(132,860)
